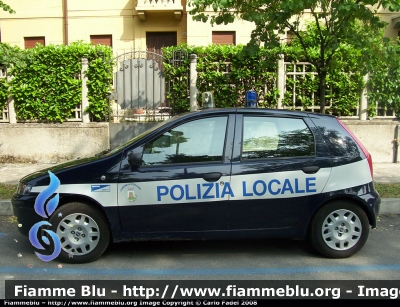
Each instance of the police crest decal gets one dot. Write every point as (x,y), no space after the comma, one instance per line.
(130,194)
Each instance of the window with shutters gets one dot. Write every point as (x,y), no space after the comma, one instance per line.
(224,37)
(30,42)
(101,39)
(156,40)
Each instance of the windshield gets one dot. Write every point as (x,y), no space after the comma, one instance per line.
(138,137)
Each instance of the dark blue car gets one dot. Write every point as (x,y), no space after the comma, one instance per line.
(214,174)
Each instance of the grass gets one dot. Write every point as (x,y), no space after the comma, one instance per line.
(12,219)
(7,190)
(386,190)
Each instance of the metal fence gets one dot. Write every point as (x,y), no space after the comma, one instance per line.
(132,69)
(4,115)
(302,72)
(294,71)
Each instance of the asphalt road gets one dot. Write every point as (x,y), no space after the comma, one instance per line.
(208,260)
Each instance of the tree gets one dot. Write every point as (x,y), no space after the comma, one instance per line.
(335,21)
(6,7)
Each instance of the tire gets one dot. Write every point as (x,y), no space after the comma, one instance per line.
(83,231)
(339,229)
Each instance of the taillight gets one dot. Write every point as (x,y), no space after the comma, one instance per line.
(364,150)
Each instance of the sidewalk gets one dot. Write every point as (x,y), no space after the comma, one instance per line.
(383,173)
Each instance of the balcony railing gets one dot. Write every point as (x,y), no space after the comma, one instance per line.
(148,6)
(159,5)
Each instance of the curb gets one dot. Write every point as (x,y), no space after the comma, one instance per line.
(388,206)
(5,207)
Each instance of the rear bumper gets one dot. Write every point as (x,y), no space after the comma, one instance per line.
(373,201)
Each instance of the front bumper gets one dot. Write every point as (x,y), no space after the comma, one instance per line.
(23,209)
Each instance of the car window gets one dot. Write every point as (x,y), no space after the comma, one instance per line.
(196,141)
(271,137)
(338,139)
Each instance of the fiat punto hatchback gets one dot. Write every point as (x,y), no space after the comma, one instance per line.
(214,174)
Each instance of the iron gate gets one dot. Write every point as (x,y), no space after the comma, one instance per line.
(139,87)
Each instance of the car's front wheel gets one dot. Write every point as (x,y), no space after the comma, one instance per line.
(83,232)
(339,229)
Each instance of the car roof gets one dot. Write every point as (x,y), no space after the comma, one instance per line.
(276,112)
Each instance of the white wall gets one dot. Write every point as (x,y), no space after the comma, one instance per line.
(377,136)
(48,143)
(61,142)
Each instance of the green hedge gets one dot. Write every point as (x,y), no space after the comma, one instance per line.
(9,56)
(228,82)
(259,72)
(46,84)
(383,85)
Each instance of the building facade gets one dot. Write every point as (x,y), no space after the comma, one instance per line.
(124,24)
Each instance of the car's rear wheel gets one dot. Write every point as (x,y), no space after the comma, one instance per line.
(339,229)
(83,232)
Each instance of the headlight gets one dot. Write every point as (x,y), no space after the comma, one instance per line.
(24,189)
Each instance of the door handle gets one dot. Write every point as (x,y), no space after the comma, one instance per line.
(211,177)
(310,169)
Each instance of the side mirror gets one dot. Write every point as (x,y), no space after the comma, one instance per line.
(135,159)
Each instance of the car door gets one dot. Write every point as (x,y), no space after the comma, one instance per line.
(277,171)
(183,180)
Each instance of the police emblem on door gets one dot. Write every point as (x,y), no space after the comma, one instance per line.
(130,194)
